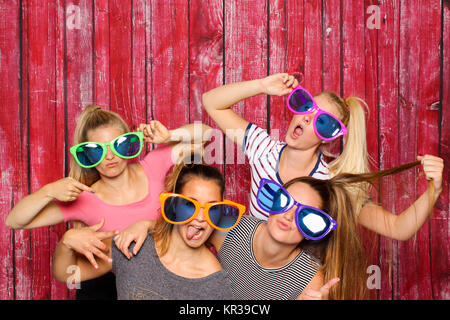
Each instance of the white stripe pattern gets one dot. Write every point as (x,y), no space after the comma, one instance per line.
(251,281)
(263,153)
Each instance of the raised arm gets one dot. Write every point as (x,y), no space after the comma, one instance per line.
(38,209)
(184,140)
(218,101)
(406,224)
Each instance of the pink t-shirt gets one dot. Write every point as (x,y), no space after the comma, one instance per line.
(89,209)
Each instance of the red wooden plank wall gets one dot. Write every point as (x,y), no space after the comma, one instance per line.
(154,59)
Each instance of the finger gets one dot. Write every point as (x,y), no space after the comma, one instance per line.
(97,226)
(434,162)
(298,76)
(106,234)
(427,169)
(313,294)
(152,125)
(330,284)
(124,249)
(119,243)
(91,259)
(290,81)
(141,127)
(138,245)
(431,157)
(150,131)
(126,245)
(431,167)
(147,131)
(99,245)
(74,194)
(82,186)
(101,255)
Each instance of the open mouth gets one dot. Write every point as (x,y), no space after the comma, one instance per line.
(298,131)
(194,232)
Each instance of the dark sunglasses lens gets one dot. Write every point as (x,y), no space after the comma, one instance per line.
(128,146)
(300,101)
(273,198)
(223,215)
(327,126)
(178,209)
(313,223)
(89,154)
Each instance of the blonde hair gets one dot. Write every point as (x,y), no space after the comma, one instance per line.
(91,118)
(341,252)
(354,157)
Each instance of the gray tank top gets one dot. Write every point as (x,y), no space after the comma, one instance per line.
(144,277)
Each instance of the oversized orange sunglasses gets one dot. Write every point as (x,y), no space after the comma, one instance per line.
(179,209)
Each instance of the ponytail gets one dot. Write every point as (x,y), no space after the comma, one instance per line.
(354,157)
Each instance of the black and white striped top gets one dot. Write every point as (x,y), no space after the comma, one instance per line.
(251,281)
(263,153)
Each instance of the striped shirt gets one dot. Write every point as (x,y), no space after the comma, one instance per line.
(251,281)
(264,153)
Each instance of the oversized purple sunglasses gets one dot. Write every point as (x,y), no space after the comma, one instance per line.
(313,223)
(326,125)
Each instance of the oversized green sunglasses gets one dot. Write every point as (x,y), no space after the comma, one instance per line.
(90,154)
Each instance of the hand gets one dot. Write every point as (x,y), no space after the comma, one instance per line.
(88,242)
(278,84)
(155,132)
(136,232)
(433,168)
(66,189)
(323,292)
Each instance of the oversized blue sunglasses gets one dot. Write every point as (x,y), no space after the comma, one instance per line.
(313,223)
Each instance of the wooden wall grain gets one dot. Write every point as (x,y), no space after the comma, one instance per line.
(154,59)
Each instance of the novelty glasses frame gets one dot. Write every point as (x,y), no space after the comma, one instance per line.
(206,207)
(104,145)
(292,202)
(315,107)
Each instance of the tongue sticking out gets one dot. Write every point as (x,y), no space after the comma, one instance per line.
(298,131)
(192,232)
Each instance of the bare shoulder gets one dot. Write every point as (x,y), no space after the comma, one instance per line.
(211,264)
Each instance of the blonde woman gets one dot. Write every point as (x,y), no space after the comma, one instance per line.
(308,249)
(174,262)
(315,121)
(102,185)
(272,259)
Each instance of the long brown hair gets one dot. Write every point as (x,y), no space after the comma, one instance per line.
(175,182)
(91,118)
(341,252)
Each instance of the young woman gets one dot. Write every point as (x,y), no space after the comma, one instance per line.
(269,259)
(102,185)
(174,262)
(308,218)
(316,120)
